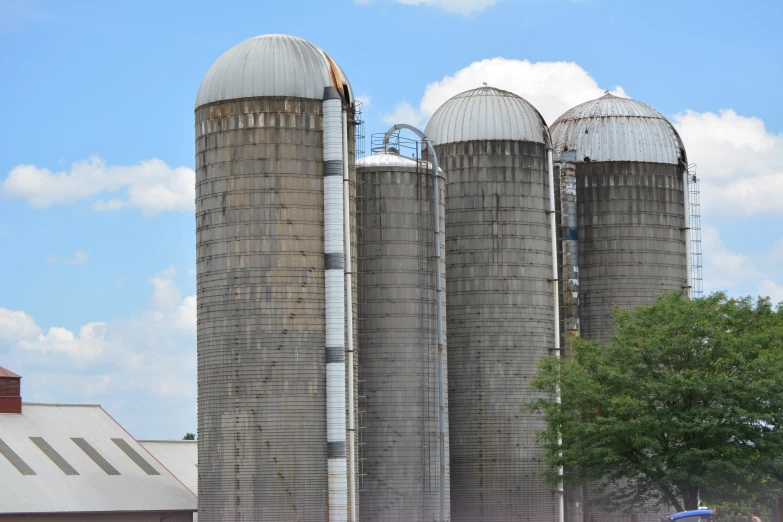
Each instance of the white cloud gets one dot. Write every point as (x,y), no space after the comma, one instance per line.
(166,294)
(185,315)
(18,329)
(15,324)
(80,257)
(366,101)
(552,87)
(170,315)
(150,186)
(740,163)
(771,289)
(463,7)
(404,112)
(740,273)
(145,361)
(89,344)
(723,268)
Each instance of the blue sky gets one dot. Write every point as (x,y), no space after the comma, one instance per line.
(96,215)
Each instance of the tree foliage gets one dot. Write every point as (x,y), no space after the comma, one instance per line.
(189,436)
(685,402)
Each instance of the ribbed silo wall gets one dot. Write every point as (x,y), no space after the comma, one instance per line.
(631,222)
(352,202)
(261,325)
(399,345)
(500,323)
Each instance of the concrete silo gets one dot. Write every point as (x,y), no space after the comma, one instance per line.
(491,145)
(631,205)
(398,343)
(623,171)
(272,147)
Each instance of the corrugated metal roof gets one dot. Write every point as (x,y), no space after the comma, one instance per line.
(486,113)
(92,490)
(180,457)
(388,159)
(271,65)
(8,373)
(617,129)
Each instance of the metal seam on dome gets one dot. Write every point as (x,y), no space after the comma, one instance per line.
(618,129)
(609,116)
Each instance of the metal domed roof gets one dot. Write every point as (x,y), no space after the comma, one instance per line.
(617,129)
(271,65)
(486,113)
(390,159)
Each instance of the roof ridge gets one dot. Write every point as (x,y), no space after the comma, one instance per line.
(166,440)
(60,404)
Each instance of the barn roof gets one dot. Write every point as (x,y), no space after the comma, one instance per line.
(57,458)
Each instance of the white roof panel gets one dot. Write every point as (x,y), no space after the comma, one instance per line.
(486,113)
(617,129)
(271,65)
(388,159)
(50,490)
(180,457)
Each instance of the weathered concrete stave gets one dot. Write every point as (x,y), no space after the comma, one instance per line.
(260,316)
(399,347)
(500,323)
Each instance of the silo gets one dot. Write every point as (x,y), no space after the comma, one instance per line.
(501,309)
(628,167)
(272,146)
(398,343)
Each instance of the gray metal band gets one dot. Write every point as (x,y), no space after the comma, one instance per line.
(333,168)
(335,450)
(334,261)
(331,93)
(335,354)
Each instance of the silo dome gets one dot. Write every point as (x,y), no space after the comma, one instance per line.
(486,113)
(272,65)
(611,128)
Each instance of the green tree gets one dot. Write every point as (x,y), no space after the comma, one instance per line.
(189,436)
(685,402)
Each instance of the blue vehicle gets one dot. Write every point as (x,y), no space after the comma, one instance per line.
(697,515)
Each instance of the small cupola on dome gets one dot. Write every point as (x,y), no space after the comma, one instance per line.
(486,113)
(611,128)
(272,65)
(10,392)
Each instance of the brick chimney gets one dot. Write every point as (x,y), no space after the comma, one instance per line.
(10,392)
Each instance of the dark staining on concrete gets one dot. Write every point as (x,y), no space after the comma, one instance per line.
(260,262)
(399,345)
(500,323)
